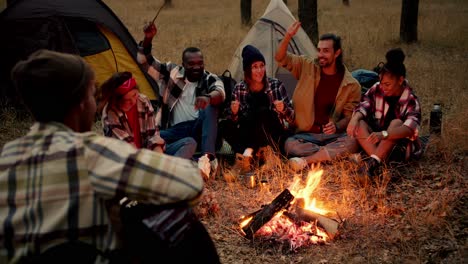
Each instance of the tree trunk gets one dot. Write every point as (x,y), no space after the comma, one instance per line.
(308,17)
(346,2)
(409,21)
(246,12)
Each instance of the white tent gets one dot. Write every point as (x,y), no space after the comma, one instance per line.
(266,34)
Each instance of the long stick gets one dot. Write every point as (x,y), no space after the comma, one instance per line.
(159,10)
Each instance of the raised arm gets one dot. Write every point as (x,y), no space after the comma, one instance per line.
(283,46)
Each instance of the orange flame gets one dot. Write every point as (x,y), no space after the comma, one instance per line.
(245,221)
(283,228)
(313,180)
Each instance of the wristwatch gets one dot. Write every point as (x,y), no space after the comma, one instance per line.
(385,134)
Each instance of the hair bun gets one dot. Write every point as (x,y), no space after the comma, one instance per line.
(395,56)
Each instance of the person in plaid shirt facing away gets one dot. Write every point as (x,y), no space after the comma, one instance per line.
(260,112)
(55,180)
(129,116)
(191,98)
(388,115)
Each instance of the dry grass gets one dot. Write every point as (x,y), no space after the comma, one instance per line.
(419,219)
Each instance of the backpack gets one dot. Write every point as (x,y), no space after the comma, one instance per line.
(229,84)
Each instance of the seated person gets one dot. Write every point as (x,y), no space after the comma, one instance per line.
(190,95)
(129,116)
(260,111)
(324,99)
(388,115)
(56,179)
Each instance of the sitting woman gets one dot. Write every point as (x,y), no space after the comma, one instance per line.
(386,121)
(260,111)
(129,116)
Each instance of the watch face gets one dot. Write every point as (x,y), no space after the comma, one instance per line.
(384,134)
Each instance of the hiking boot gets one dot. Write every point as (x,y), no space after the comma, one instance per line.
(297,163)
(243,164)
(267,157)
(368,171)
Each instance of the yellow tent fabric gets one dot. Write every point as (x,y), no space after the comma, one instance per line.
(104,64)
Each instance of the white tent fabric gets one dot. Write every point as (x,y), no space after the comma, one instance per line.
(266,34)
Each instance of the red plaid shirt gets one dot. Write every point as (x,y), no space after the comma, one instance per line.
(374,108)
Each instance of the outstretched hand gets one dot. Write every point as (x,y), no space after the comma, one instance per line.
(292,30)
(150,30)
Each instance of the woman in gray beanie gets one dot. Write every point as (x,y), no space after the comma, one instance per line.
(259,114)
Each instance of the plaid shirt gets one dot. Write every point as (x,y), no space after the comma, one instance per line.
(171,81)
(53,183)
(275,91)
(116,124)
(374,108)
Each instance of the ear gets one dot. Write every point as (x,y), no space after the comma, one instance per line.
(337,53)
(401,79)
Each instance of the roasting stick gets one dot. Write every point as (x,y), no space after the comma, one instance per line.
(159,10)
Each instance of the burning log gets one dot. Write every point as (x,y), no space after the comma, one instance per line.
(262,217)
(329,225)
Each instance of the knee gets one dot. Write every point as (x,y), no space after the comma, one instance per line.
(362,128)
(395,123)
(290,145)
(189,143)
(211,112)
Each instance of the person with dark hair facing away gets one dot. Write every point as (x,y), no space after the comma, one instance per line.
(191,97)
(129,116)
(388,115)
(259,114)
(56,180)
(324,99)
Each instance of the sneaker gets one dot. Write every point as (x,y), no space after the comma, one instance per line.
(297,164)
(205,166)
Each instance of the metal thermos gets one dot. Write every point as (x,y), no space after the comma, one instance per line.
(435,124)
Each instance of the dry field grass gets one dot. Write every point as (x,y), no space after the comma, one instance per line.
(422,217)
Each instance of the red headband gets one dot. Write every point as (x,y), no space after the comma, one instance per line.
(126,86)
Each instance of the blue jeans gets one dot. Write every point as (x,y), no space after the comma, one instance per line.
(183,148)
(204,130)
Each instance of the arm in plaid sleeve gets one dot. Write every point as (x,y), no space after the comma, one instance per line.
(112,126)
(367,101)
(140,174)
(280,94)
(413,116)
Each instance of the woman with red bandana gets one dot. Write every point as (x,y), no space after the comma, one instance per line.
(129,116)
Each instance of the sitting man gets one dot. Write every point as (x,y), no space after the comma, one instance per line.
(323,101)
(55,180)
(191,97)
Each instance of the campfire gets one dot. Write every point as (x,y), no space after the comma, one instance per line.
(292,217)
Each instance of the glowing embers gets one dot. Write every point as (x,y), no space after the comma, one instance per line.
(292,217)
